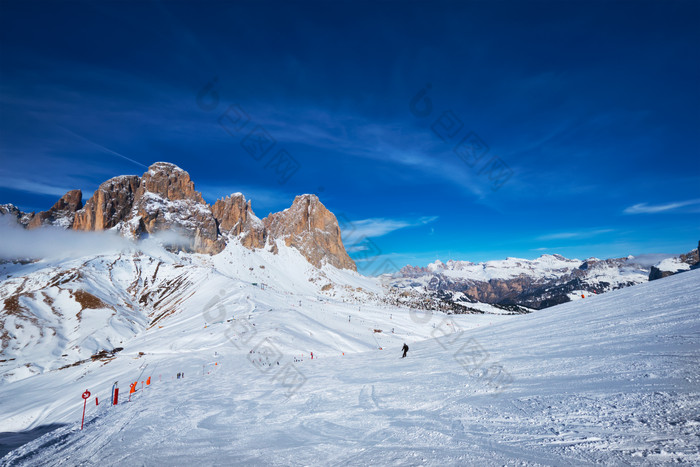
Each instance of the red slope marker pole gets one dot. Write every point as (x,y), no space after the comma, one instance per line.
(86,394)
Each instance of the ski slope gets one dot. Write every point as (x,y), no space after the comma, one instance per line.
(609,379)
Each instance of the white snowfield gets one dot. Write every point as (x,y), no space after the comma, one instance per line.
(612,378)
(673,265)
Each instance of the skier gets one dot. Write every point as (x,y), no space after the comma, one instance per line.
(405,350)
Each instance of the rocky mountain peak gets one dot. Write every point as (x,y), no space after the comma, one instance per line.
(61,213)
(110,204)
(170,182)
(164,199)
(11,210)
(312,229)
(235,216)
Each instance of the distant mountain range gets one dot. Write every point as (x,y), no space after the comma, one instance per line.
(540,283)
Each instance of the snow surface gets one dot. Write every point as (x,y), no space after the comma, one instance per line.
(610,379)
(673,264)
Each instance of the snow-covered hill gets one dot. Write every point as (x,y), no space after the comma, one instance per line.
(609,379)
(68,312)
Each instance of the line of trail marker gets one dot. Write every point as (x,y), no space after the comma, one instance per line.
(86,395)
(115,396)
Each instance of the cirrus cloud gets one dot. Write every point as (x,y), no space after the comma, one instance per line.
(644,208)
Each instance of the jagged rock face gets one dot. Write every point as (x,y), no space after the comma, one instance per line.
(13,212)
(313,230)
(170,182)
(166,200)
(163,199)
(110,204)
(236,217)
(61,214)
(657,273)
(692,257)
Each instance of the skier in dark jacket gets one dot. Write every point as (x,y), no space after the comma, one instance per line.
(405,350)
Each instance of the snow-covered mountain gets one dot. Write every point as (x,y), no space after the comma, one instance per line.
(146,280)
(539,283)
(164,199)
(64,313)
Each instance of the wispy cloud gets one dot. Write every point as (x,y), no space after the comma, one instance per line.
(379,226)
(102,148)
(574,235)
(32,186)
(644,208)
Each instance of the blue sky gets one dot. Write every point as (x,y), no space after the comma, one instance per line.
(458,130)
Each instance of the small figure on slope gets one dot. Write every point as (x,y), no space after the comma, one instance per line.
(405,350)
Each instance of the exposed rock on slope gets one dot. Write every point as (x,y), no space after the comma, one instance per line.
(162,199)
(236,217)
(110,204)
(61,214)
(313,230)
(13,212)
(671,266)
(165,199)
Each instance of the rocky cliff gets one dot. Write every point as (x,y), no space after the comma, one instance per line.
(671,266)
(313,230)
(110,204)
(164,199)
(236,217)
(61,214)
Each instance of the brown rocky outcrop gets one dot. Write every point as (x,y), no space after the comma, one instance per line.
(170,182)
(236,217)
(656,273)
(164,199)
(313,230)
(110,204)
(61,213)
